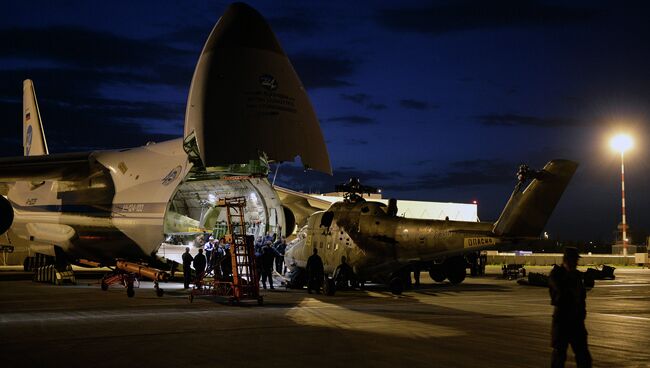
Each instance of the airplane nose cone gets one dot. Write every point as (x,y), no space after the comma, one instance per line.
(246,98)
(243,26)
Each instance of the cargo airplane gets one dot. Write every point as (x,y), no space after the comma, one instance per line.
(246,107)
(382,247)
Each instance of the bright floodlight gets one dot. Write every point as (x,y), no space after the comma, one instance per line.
(621,143)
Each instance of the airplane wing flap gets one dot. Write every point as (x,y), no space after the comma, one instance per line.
(65,166)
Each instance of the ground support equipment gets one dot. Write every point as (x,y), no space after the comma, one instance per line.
(126,279)
(245,277)
(513,271)
(128,273)
(54,275)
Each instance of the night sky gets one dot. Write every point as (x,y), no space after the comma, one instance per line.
(431,100)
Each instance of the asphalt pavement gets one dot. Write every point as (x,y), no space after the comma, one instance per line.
(483,322)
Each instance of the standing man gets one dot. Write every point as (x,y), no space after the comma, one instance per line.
(208,247)
(226,264)
(217,258)
(280,249)
(199,265)
(568,295)
(268,255)
(187,270)
(315,272)
(343,275)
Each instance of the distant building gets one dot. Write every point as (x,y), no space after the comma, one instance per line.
(419,209)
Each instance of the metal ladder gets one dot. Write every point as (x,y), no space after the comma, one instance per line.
(245,282)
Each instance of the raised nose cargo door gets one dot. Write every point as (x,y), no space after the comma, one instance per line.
(246,99)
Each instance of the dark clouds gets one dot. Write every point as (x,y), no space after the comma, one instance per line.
(442,17)
(74,46)
(416,104)
(357,98)
(320,70)
(364,100)
(352,120)
(525,120)
(356,142)
(75,65)
(477,172)
(295,22)
(376,106)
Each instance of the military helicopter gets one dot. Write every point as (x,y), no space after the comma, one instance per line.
(382,247)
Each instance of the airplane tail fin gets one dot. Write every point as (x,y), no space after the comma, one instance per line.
(34,143)
(528,210)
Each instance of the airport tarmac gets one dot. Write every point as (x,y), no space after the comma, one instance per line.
(483,322)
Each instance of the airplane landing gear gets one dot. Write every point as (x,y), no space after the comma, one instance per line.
(437,273)
(129,291)
(455,269)
(329,286)
(159,291)
(396,285)
(120,277)
(297,278)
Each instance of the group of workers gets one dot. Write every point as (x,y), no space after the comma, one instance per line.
(216,261)
(269,252)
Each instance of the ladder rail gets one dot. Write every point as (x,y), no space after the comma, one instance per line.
(244,271)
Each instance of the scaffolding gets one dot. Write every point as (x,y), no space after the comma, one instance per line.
(245,278)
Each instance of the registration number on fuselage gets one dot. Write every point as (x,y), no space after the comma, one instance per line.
(479,241)
(129,207)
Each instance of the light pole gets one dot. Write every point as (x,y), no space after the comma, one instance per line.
(622,143)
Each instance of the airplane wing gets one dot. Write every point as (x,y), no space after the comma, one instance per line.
(65,166)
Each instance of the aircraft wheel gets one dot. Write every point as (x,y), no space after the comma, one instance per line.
(130,292)
(160,292)
(104,286)
(329,287)
(396,286)
(455,269)
(297,278)
(437,273)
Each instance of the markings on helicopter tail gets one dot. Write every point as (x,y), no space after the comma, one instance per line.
(478,242)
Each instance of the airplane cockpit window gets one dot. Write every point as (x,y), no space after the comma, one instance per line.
(373,208)
(326,220)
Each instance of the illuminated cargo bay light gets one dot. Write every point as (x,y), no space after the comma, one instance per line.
(621,143)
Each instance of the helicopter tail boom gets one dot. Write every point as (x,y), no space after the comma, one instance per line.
(528,209)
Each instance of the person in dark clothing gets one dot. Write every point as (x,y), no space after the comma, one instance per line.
(187,270)
(568,295)
(199,264)
(315,272)
(280,249)
(343,274)
(226,263)
(268,255)
(217,257)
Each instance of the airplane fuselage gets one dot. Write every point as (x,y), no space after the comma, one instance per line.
(119,209)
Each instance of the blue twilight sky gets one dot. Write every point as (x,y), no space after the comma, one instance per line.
(429,100)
